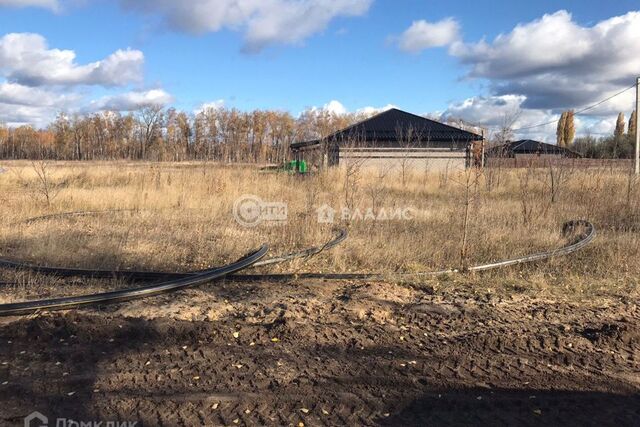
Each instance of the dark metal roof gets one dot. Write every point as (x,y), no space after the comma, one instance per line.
(529,146)
(387,128)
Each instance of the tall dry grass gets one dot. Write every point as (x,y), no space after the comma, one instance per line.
(179,217)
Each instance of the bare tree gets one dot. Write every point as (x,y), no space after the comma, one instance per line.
(150,118)
(507,123)
(407,140)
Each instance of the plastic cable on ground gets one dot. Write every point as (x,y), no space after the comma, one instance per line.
(160,275)
(195,279)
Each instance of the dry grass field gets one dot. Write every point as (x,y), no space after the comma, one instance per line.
(179,217)
(461,348)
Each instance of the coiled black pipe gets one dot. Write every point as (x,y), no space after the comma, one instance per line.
(184,280)
(196,278)
(160,275)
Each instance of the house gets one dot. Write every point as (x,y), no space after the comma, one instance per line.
(528,149)
(394,139)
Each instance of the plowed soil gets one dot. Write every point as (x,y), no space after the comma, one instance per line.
(327,353)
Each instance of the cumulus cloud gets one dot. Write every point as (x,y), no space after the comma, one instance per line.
(557,63)
(133,100)
(264,22)
(25,58)
(494,112)
(543,67)
(15,94)
(47,4)
(337,108)
(214,105)
(423,35)
(37,82)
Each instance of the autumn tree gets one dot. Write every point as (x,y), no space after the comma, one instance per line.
(569,128)
(632,124)
(620,123)
(560,133)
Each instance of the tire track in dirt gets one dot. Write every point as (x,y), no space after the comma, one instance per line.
(324,355)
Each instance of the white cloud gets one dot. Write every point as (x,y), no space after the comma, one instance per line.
(370,111)
(494,112)
(337,108)
(25,58)
(557,63)
(264,22)
(549,65)
(131,101)
(603,127)
(423,35)
(214,105)
(37,82)
(47,4)
(15,94)
(19,115)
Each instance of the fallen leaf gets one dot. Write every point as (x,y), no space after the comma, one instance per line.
(325,412)
(215,406)
(305,410)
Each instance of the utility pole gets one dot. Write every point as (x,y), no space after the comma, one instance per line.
(637,127)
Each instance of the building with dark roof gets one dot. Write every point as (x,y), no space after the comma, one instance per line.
(528,148)
(391,138)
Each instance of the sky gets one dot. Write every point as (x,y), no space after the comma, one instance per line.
(486,62)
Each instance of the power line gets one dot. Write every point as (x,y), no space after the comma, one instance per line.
(591,107)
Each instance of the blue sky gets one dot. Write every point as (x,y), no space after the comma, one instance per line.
(360,53)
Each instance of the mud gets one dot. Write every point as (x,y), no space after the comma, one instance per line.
(326,353)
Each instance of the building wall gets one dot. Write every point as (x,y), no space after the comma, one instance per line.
(538,156)
(416,159)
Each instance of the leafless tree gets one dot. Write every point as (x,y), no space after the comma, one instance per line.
(150,119)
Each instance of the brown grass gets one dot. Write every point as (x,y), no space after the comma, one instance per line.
(182,220)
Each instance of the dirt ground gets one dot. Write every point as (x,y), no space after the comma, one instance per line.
(327,353)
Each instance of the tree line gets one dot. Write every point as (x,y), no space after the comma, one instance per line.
(227,135)
(620,145)
(158,134)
